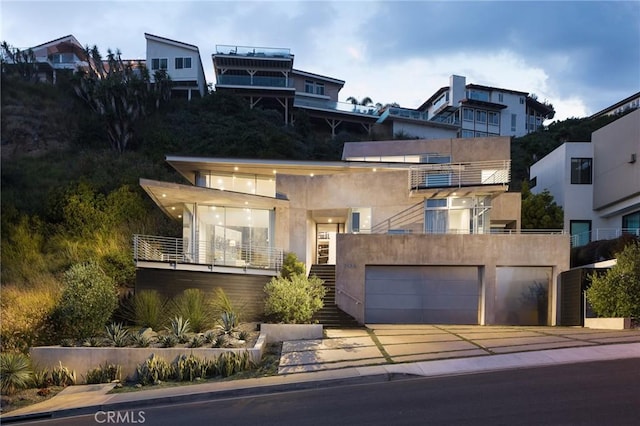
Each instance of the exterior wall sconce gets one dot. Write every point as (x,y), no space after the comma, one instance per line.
(633,158)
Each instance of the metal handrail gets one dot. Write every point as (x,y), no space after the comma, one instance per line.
(178,250)
(349,295)
(447,175)
(410,216)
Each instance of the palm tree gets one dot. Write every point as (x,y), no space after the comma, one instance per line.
(364,102)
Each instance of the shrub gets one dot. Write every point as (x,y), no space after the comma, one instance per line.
(93,342)
(104,374)
(88,300)
(192,305)
(117,335)
(210,336)
(617,293)
(25,315)
(16,372)
(147,309)
(294,300)
(196,342)
(221,303)
(292,266)
(41,378)
(62,376)
(189,368)
(153,370)
(179,327)
(141,340)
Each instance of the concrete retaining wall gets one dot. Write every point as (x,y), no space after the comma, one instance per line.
(286,332)
(608,323)
(83,359)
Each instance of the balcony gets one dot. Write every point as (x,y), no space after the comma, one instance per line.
(458,175)
(411,114)
(175,251)
(584,238)
(253,81)
(333,106)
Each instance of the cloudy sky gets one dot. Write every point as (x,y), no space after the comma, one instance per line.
(582,56)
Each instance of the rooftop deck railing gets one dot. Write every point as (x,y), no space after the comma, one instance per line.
(176,250)
(336,106)
(265,52)
(254,81)
(425,176)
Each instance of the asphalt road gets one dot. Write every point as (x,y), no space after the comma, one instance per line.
(600,393)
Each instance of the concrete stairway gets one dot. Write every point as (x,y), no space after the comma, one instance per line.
(330,315)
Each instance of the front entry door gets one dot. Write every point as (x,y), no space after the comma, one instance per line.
(326,242)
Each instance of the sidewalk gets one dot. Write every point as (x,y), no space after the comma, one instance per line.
(613,345)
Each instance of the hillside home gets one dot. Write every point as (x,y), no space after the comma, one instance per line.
(64,54)
(596,183)
(419,231)
(479,111)
(181,61)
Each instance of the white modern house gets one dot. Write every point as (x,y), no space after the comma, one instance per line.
(479,111)
(181,61)
(597,183)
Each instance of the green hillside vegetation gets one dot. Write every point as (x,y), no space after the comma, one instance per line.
(68,198)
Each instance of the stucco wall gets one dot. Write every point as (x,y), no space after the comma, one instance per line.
(355,252)
(615,179)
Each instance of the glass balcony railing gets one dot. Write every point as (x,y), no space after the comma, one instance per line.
(403,113)
(336,106)
(254,81)
(258,52)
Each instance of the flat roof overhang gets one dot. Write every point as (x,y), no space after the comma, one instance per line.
(170,197)
(458,191)
(257,90)
(188,166)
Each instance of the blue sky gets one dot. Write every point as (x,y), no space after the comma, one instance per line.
(580,55)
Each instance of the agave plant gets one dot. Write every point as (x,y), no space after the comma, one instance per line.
(179,327)
(118,335)
(229,321)
(16,372)
(168,341)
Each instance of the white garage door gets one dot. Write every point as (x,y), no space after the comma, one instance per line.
(421,294)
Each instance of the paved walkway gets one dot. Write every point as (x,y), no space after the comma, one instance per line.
(374,352)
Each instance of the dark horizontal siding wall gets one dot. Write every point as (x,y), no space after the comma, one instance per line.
(245,291)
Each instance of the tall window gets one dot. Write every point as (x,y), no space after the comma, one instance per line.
(159,63)
(494,118)
(581,171)
(481,116)
(631,223)
(513,122)
(319,89)
(580,232)
(308,86)
(467,114)
(183,63)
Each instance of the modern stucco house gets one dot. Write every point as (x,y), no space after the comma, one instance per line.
(598,182)
(419,231)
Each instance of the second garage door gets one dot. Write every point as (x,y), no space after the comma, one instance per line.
(421,294)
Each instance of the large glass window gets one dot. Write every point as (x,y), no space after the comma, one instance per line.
(467,114)
(467,215)
(183,63)
(481,116)
(233,236)
(581,171)
(494,118)
(580,232)
(631,223)
(248,184)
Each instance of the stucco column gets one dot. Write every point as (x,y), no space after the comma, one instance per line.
(488,293)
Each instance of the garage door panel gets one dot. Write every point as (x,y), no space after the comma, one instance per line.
(421,294)
(383,301)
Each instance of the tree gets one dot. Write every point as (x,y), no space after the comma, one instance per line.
(120,93)
(22,61)
(539,211)
(617,293)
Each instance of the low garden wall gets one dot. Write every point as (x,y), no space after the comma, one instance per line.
(83,359)
(285,332)
(608,323)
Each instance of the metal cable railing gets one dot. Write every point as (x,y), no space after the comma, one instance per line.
(178,250)
(447,175)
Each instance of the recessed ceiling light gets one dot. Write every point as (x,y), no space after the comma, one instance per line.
(235,168)
(164,195)
(173,208)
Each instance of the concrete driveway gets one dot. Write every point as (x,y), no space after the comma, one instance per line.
(387,344)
